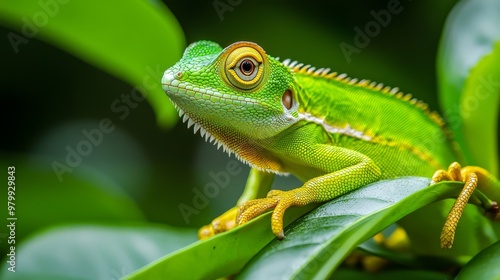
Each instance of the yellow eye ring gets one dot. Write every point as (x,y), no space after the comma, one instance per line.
(244,65)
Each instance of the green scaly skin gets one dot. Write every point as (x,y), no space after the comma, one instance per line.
(334,133)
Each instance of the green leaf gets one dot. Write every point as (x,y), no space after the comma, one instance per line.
(471,32)
(346,274)
(480,107)
(133,40)
(315,244)
(219,256)
(324,237)
(484,265)
(94,252)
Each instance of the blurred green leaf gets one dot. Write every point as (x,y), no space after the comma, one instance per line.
(321,238)
(94,252)
(470,33)
(42,200)
(481,103)
(136,42)
(484,265)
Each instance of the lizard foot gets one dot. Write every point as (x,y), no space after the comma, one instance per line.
(468,175)
(220,224)
(277,200)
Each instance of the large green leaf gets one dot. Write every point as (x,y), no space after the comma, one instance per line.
(471,32)
(219,256)
(484,265)
(324,237)
(94,252)
(315,244)
(134,40)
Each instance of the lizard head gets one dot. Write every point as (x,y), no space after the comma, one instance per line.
(232,94)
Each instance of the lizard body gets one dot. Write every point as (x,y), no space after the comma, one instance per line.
(334,133)
(360,116)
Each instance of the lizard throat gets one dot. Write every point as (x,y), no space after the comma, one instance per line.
(243,152)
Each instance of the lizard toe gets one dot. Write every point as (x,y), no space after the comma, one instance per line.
(220,224)
(254,208)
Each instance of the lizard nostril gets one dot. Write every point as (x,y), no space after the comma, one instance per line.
(178,75)
(167,78)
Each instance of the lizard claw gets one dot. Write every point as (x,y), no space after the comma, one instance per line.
(254,208)
(280,201)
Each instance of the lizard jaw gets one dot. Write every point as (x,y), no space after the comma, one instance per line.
(203,132)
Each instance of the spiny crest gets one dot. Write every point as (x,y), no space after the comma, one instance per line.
(297,67)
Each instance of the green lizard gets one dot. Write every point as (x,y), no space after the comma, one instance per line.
(334,133)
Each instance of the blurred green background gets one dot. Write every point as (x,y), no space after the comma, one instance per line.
(145,168)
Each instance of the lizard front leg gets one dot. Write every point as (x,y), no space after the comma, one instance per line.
(344,170)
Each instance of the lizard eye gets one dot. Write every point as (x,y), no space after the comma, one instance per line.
(244,67)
